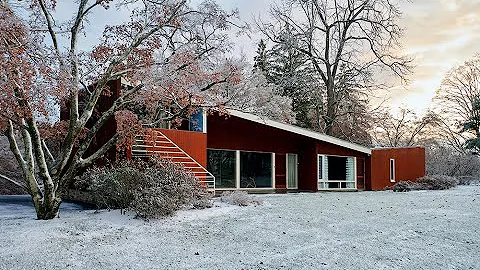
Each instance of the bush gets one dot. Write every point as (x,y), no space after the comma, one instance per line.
(112,187)
(240,198)
(151,189)
(443,160)
(404,186)
(437,182)
(167,189)
(429,182)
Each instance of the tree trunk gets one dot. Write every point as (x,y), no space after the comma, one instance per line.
(46,210)
(331,111)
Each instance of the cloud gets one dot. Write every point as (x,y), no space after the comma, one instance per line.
(440,34)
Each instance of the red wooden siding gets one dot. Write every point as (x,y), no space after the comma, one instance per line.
(281,171)
(193,143)
(409,165)
(233,133)
(109,129)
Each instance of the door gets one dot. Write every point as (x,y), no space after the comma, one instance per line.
(292,171)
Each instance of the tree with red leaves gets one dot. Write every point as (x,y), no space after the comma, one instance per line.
(172,54)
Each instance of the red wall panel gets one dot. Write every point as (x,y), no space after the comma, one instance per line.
(409,165)
(193,143)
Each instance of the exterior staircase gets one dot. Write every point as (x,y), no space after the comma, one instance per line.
(166,148)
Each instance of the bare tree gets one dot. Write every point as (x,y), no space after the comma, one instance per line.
(39,71)
(455,102)
(353,37)
(403,130)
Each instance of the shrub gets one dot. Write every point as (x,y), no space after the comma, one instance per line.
(437,182)
(151,189)
(240,198)
(404,186)
(429,182)
(111,186)
(167,189)
(444,160)
(468,180)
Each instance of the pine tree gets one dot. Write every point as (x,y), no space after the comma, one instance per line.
(261,59)
(473,125)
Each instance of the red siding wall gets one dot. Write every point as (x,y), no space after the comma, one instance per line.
(233,133)
(409,165)
(109,129)
(229,132)
(193,143)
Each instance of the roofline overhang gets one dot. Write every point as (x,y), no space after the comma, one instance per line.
(300,131)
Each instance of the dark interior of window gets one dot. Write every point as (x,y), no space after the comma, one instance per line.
(221,163)
(392,169)
(337,168)
(255,170)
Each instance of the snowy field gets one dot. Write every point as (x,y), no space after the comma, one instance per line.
(361,230)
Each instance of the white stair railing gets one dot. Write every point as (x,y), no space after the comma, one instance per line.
(204,176)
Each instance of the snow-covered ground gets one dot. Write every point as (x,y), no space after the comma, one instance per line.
(362,230)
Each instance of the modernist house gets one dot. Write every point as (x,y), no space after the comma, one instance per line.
(244,151)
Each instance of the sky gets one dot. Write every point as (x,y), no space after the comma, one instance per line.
(439,34)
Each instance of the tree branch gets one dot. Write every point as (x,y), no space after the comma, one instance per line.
(18,184)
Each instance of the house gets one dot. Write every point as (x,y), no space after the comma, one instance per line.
(244,151)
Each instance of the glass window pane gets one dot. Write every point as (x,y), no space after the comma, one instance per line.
(392,169)
(337,168)
(255,170)
(221,163)
(292,171)
(333,185)
(320,167)
(196,121)
(350,169)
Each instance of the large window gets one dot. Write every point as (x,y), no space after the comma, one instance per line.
(336,172)
(222,163)
(255,170)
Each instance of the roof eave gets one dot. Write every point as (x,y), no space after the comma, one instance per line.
(300,131)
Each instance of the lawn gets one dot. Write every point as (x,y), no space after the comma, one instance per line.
(358,230)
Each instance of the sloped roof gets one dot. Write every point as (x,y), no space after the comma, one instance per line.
(300,131)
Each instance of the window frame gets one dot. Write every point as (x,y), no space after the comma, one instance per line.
(391,169)
(238,166)
(324,181)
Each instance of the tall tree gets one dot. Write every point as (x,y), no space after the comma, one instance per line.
(260,61)
(456,104)
(354,36)
(171,52)
(289,72)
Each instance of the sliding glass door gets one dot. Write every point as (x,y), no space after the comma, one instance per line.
(255,170)
(241,169)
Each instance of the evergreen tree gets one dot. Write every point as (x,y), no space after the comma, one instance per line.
(473,125)
(260,61)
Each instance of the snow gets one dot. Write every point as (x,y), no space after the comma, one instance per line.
(360,230)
